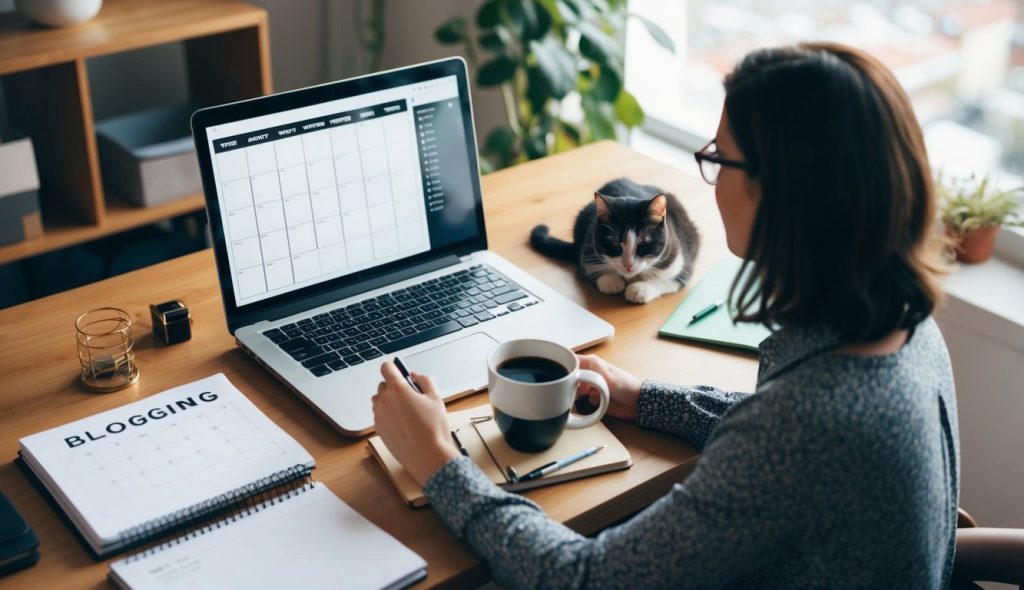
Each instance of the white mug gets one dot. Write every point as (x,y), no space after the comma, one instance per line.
(532,415)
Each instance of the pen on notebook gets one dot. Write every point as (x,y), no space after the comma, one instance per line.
(706,311)
(556,465)
(458,443)
(405,373)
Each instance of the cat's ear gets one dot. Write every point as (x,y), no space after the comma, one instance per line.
(656,208)
(604,210)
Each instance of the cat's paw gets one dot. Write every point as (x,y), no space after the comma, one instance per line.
(610,283)
(642,292)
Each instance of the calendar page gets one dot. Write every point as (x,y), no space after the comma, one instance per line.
(147,459)
(316,193)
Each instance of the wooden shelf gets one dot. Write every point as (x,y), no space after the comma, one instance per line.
(45,82)
(119,217)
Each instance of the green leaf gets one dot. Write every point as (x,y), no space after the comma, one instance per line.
(499,141)
(497,40)
(657,33)
(489,14)
(567,137)
(596,45)
(608,85)
(528,18)
(628,110)
(486,166)
(557,66)
(451,32)
(537,91)
(599,124)
(494,72)
(536,144)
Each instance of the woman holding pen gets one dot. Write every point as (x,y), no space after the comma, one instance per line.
(841,469)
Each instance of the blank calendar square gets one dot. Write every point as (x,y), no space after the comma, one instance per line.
(289,152)
(297,209)
(328,231)
(325,203)
(396,128)
(348,168)
(266,187)
(242,223)
(250,282)
(332,258)
(261,158)
(403,183)
(359,250)
(293,180)
(400,156)
(301,238)
(375,162)
(270,216)
(407,211)
(307,266)
(279,274)
(247,252)
(317,145)
(410,237)
(352,196)
(385,244)
(321,174)
(274,245)
(237,194)
(382,217)
(356,222)
(378,190)
(232,165)
(371,134)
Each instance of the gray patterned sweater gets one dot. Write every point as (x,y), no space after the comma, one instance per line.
(840,472)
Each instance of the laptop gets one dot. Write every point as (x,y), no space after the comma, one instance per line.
(348,228)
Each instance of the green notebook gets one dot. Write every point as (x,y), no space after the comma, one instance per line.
(718,327)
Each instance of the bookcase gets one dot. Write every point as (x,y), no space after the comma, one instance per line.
(46,85)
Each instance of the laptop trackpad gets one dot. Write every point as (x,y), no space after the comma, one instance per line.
(457,366)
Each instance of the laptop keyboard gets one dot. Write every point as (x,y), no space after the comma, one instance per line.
(363,331)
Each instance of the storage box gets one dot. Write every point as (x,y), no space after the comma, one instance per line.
(20,218)
(149,156)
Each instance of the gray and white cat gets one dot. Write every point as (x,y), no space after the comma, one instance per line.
(633,238)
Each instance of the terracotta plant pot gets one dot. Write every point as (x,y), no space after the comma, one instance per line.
(976,245)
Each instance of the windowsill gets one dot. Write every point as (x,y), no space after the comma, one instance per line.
(987,298)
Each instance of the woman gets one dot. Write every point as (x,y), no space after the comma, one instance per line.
(842,470)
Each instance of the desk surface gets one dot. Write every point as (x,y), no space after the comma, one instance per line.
(40,369)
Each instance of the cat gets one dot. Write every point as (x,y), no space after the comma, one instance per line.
(628,240)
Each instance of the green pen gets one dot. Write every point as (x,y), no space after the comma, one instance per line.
(706,312)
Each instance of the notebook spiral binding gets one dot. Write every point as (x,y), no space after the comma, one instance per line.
(239,503)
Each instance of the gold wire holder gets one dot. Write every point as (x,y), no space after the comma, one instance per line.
(105,349)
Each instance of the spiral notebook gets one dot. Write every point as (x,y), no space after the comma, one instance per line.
(142,471)
(303,538)
(486,446)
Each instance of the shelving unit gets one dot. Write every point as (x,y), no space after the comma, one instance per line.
(46,85)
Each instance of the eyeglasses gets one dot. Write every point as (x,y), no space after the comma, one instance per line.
(710,164)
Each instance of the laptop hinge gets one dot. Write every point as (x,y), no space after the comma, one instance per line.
(287,309)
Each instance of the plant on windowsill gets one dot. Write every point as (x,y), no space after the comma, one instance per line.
(973,212)
(538,52)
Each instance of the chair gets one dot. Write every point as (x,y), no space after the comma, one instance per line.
(986,554)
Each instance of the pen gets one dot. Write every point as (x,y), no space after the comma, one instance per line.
(706,311)
(556,465)
(458,443)
(405,373)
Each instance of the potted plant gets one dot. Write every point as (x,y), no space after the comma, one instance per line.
(538,53)
(973,211)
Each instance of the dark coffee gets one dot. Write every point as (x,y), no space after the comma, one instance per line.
(530,436)
(532,369)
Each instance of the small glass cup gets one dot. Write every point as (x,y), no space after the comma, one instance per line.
(105,349)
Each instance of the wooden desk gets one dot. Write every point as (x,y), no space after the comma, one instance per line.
(40,369)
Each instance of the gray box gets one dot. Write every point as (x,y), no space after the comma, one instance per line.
(149,157)
(20,218)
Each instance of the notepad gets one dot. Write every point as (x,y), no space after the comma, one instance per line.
(486,446)
(717,328)
(306,539)
(140,471)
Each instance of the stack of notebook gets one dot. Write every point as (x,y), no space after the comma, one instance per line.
(202,466)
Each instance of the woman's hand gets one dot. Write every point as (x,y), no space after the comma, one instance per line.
(623,388)
(414,426)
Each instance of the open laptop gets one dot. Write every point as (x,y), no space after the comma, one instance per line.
(348,228)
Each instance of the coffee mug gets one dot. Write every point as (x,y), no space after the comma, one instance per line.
(532,386)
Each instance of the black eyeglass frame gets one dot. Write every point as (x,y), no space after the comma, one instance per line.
(700,156)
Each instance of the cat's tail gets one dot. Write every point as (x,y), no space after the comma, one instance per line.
(542,242)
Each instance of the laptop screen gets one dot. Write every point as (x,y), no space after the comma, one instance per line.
(311,194)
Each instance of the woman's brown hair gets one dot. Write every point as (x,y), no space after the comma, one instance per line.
(843,232)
